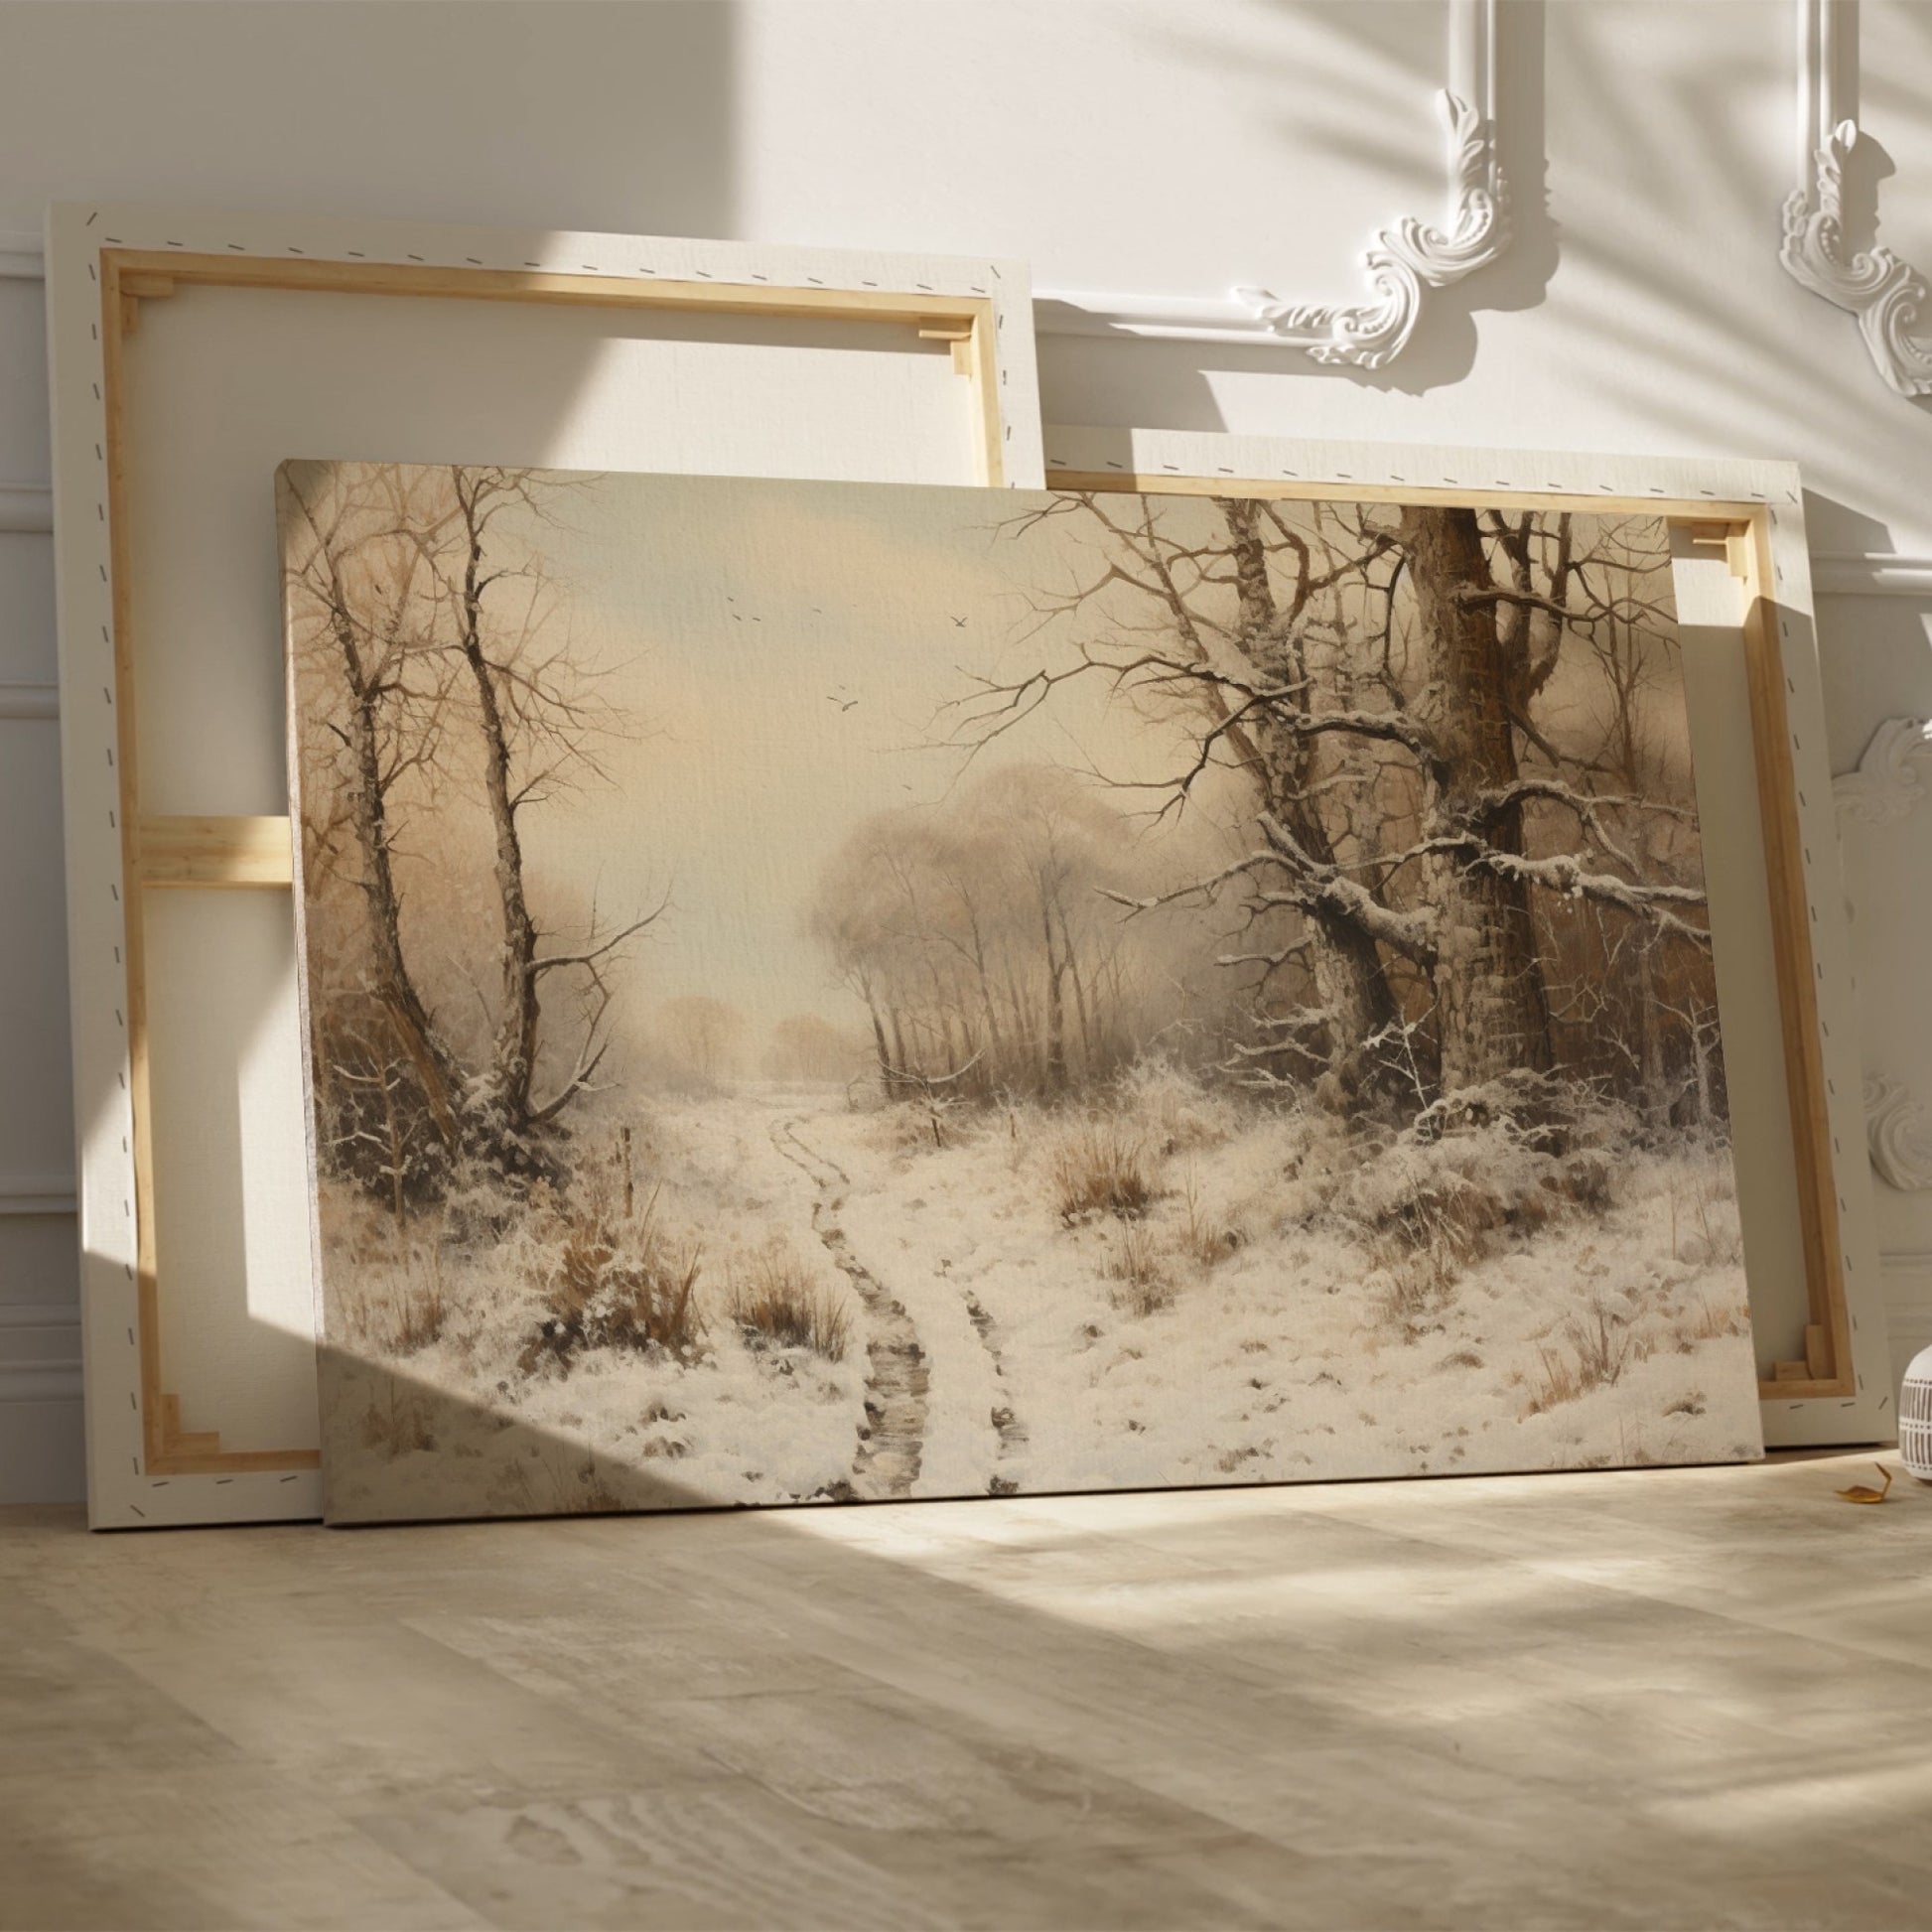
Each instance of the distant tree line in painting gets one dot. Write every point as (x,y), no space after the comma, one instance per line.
(1447,749)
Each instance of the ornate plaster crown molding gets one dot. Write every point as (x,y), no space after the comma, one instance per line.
(1886,784)
(1405,262)
(1898,1131)
(1888,295)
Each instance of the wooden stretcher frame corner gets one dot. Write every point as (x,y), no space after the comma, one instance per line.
(1753,513)
(147,1465)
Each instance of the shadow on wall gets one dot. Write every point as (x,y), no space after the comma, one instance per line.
(1876,647)
(500,114)
(1724,350)
(1681,320)
(1405,72)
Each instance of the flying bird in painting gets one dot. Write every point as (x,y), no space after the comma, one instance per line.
(977,1120)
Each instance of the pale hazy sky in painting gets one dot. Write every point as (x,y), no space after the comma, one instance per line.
(782,655)
(785,650)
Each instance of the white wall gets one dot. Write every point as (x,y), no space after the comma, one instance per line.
(1176,146)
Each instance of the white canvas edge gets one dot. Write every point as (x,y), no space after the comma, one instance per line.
(1869,1414)
(120,1494)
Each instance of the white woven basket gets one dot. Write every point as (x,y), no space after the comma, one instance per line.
(1915,1417)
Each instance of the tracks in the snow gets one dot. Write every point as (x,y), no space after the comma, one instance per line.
(893,1442)
(1011,1429)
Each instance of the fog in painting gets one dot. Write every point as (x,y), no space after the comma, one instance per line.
(824,991)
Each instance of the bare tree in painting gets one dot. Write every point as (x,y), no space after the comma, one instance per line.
(359,609)
(1278,996)
(1369,673)
(421,608)
(980,936)
(539,717)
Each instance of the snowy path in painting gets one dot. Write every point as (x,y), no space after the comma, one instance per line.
(1245,1321)
(1288,1352)
(892,1438)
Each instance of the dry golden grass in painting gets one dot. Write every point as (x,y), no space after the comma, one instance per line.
(619,1284)
(396,1422)
(1559,1381)
(945,995)
(1139,1266)
(1600,1346)
(1417,1283)
(1207,1237)
(1704,1225)
(775,1301)
(1100,1168)
(425,1306)
(1709,1323)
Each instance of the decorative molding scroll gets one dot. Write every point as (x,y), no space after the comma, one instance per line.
(1898,1131)
(1408,260)
(1889,296)
(1886,785)
(1404,263)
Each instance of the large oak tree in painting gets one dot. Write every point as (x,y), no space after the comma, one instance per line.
(1455,856)
(1158,989)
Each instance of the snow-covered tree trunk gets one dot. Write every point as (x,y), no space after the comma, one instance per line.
(390,978)
(1350,988)
(1491,1011)
(514,1054)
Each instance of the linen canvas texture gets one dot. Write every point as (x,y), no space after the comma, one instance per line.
(819,992)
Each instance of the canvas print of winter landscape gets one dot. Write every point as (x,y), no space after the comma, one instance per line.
(822,992)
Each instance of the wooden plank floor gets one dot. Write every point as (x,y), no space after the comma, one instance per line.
(1683,1697)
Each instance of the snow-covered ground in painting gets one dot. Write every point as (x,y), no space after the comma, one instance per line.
(1273,1350)
(1289,1303)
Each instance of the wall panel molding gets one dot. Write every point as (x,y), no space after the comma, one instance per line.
(1870,573)
(27,507)
(39,701)
(1405,262)
(37,1193)
(1888,295)
(39,1351)
(1886,786)
(1908,1303)
(21,257)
